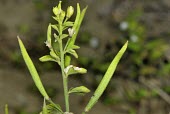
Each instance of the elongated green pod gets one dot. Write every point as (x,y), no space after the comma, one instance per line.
(78,25)
(67,60)
(104,82)
(49,33)
(32,70)
(77,17)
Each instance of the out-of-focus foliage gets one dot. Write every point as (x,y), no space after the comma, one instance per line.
(146,55)
(146,58)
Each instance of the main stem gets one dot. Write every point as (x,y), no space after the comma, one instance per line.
(65,79)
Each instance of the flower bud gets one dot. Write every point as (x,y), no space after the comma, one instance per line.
(71,32)
(62,15)
(70,11)
(56,10)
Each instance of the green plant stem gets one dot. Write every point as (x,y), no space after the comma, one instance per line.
(65,80)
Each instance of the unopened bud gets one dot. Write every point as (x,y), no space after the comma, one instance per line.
(62,15)
(56,10)
(70,11)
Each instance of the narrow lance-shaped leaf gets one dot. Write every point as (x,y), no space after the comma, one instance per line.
(32,70)
(64,36)
(104,82)
(68,23)
(55,27)
(73,52)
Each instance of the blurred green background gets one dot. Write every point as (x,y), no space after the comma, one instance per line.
(141,84)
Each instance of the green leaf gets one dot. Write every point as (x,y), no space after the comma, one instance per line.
(47,58)
(106,78)
(55,27)
(75,47)
(54,55)
(56,37)
(68,57)
(74,70)
(64,36)
(32,70)
(68,24)
(72,52)
(56,18)
(51,108)
(54,109)
(81,90)
(64,28)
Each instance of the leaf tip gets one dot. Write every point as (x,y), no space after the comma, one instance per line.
(18,38)
(127,42)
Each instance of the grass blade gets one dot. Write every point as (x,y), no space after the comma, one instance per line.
(32,70)
(104,82)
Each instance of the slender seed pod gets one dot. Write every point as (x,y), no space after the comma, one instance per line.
(106,78)
(32,70)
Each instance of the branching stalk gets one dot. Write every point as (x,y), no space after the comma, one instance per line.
(57,54)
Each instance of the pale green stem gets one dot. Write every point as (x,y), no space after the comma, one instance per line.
(65,80)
